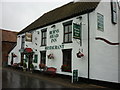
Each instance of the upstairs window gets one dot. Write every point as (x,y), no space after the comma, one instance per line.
(23,42)
(43,37)
(100,22)
(67,32)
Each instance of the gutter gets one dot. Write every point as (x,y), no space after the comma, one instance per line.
(88,47)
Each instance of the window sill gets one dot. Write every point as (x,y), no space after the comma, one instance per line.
(67,42)
(42,45)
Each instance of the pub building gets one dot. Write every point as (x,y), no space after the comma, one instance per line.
(79,36)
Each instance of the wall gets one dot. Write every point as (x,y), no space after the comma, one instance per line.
(77,63)
(119,45)
(16,51)
(103,57)
(0,47)
(6,47)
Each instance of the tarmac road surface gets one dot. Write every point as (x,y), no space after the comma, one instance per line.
(16,80)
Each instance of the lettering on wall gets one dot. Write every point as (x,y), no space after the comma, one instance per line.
(54,47)
(54,34)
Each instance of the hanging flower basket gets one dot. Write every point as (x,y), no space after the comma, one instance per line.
(14,55)
(42,66)
(79,54)
(50,56)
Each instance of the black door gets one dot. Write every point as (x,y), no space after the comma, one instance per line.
(30,58)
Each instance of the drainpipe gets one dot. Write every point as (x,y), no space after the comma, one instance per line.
(88,47)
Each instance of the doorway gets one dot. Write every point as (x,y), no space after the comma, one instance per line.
(30,59)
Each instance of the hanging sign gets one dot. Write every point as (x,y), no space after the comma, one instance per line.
(76,31)
(28,37)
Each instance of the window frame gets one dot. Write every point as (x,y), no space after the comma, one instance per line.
(100,22)
(43,38)
(23,42)
(68,25)
(41,59)
(65,55)
(113,12)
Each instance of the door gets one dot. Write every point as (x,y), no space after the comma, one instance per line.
(30,59)
(22,58)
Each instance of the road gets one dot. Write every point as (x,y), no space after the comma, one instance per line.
(12,79)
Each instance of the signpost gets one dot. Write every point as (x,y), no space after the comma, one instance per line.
(76,31)
(75,76)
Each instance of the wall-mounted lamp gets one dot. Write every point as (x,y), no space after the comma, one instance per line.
(79,17)
(53,26)
(18,36)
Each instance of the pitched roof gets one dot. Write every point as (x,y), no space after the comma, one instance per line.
(9,36)
(65,12)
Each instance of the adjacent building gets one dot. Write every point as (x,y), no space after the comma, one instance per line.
(78,35)
(9,39)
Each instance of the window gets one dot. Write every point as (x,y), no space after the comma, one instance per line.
(100,22)
(67,58)
(43,37)
(43,57)
(67,32)
(114,12)
(35,58)
(23,42)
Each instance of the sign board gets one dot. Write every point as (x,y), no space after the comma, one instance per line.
(54,47)
(28,37)
(53,35)
(76,31)
(75,76)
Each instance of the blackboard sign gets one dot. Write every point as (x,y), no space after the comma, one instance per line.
(75,76)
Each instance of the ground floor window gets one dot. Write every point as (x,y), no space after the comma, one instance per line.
(67,60)
(43,57)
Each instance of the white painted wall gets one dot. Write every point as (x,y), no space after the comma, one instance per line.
(16,51)
(103,57)
(119,45)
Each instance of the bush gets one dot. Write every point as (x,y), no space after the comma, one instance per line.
(24,65)
(31,66)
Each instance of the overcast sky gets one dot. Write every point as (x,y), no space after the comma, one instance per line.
(15,15)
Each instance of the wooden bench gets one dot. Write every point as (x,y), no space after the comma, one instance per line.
(51,70)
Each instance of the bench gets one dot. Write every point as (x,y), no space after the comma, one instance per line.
(51,70)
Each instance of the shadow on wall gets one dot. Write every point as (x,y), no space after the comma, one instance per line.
(119,45)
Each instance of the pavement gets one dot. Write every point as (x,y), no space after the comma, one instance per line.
(66,82)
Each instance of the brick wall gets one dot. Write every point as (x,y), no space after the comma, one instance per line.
(6,47)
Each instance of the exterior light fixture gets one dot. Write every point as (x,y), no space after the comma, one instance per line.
(53,26)
(79,17)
